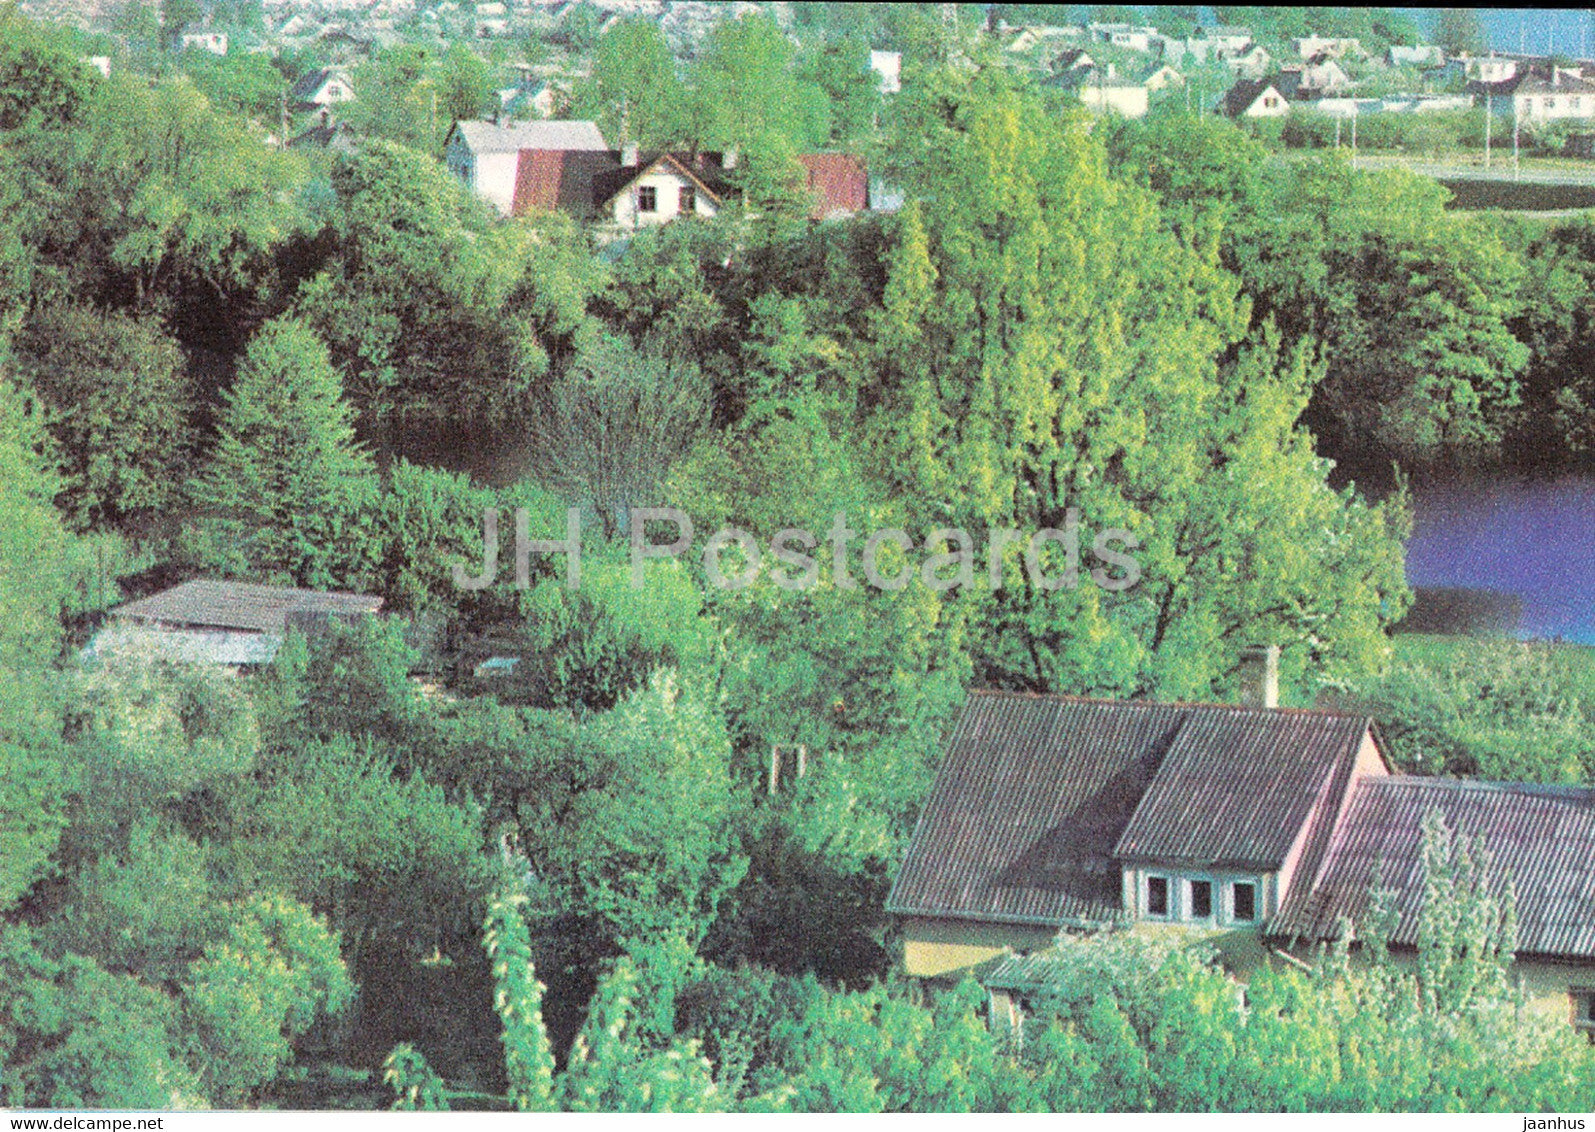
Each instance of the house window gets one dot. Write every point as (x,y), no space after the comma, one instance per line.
(1269,102)
(647,199)
(688,200)
(1201,899)
(1243,902)
(1550,104)
(1157,896)
(1584,1009)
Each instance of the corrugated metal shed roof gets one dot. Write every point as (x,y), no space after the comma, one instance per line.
(1034,799)
(1543,837)
(1237,786)
(203,603)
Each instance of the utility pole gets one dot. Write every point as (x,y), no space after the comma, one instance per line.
(1516,172)
(1354,136)
(1489,113)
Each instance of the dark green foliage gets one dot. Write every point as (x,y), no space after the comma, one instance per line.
(119,409)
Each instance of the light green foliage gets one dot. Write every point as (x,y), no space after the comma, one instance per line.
(634,93)
(41,81)
(593,647)
(246,83)
(644,842)
(610,1072)
(148,736)
(518,999)
(749,88)
(274,972)
(118,405)
(1000,397)
(147,908)
(286,482)
(1466,926)
(415,1085)
(1500,710)
(427,519)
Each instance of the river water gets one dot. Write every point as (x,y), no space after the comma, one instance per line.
(1534,540)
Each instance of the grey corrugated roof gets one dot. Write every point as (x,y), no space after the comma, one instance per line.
(1029,800)
(1039,797)
(1543,837)
(203,603)
(490,137)
(1237,786)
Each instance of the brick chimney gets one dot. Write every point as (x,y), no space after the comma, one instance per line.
(1260,676)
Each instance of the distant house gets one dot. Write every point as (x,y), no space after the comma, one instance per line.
(1227,39)
(487,155)
(1125,35)
(233,624)
(1249,827)
(1563,96)
(334,137)
(888,65)
(529,100)
(1254,98)
(214,42)
(100,63)
(1252,63)
(321,89)
(1335,47)
(1074,60)
(1425,56)
(1318,77)
(1490,69)
(1162,78)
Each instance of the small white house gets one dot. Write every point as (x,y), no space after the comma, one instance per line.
(486,155)
(1490,69)
(1114,96)
(213,41)
(321,89)
(658,191)
(1335,47)
(1255,98)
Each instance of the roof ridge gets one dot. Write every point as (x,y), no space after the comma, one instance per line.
(1066,697)
(1503,786)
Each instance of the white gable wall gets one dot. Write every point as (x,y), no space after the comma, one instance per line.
(667,185)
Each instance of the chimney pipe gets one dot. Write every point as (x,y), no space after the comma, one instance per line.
(1260,676)
(630,154)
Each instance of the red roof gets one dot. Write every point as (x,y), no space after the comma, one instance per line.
(839,182)
(550,179)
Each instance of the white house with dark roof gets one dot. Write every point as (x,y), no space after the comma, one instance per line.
(321,89)
(1253,827)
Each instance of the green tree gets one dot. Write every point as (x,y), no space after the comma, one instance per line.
(1458,31)
(286,477)
(634,92)
(119,409)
